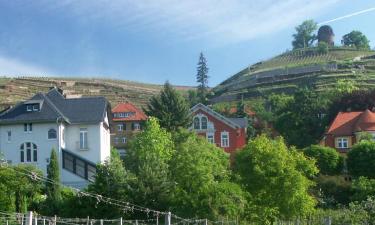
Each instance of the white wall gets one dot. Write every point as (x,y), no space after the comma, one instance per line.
(38,136)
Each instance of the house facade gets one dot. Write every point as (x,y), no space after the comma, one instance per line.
(127,121)
(78,129)
(343,132)
(224,132)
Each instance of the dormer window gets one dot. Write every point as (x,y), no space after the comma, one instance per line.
(29,108)
(36,107)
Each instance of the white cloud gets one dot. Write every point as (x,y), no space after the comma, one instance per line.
(14,67)
(215,20)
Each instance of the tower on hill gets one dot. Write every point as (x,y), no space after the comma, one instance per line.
(325,34)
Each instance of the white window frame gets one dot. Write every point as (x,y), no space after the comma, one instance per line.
(136,126)
(83,138)
(29,108)
(120,127)
(201,122)
(209,139)
(36,109)
(123,140)
(28,126)
(224,143)
(342,142)
(33,150)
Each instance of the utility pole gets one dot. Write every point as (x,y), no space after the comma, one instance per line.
(29,219)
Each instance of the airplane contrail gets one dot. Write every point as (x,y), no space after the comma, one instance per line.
(348,16)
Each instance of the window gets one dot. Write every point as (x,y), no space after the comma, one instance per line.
(224,139)
(124,140)
(9,135)
(68,162)
(136,126)
(29,108)
(29,150)
(196,123)
(52,134)
(120,127)
(28,127)
(116,140)
(36,107)
(83,144)
(204,123)
(342,142)
(80,168)
(211,138)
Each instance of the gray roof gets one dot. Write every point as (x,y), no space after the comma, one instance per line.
(242,122)
(54,105)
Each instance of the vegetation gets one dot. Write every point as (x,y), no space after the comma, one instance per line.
(170,108)
(304,36)
(202,78)
(361,159)
(356,39)
(327,159)
(53,189)
(276,178)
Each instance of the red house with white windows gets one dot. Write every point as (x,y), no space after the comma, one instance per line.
(224,132)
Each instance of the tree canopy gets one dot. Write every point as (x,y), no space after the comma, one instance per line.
(356,39)
(361,159)
(327,159)
(53,189)
(304,36)
(276,179)
(170,108)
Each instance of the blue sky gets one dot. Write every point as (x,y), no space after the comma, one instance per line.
(154,41)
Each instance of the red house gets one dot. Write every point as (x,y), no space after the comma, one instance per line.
(227,133)
(345,128)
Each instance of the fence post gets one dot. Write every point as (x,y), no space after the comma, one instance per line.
(29,219)
(54,220)
(35,220)
(168,218)
(136,222)
(120,220)
(205,222)
(88,221)
(44,221)
(328,221)
(101,221)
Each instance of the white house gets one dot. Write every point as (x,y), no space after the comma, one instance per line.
(77,128)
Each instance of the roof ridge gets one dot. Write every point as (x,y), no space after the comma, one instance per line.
(54,107)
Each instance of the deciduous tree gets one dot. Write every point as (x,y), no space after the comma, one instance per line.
(304,36)
(356,39)
(361,159)
(327,159)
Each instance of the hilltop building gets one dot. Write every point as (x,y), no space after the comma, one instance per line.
(224,132)
(77,128)
(127,121)
(325,34)
(345,128)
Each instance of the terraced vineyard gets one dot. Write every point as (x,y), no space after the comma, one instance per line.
(13,90)
(290,70)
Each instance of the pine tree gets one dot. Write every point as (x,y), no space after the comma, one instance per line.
(202,78)
(170,108)
(53,188)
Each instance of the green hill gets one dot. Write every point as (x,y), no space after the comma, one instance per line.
(303,67)
(13,90)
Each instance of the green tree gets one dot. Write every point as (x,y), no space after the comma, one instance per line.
(327,159)
(20,191)
(356,39)
(361,159)
(276,178)
(203,187)
(53,187)
(202,78)
(364,136)
(148,158)
(363,188)
(170,108)
(304,36)
(322,47)
(111,180)
(193,97)
(301,122)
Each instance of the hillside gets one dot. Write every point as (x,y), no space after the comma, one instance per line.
(288,71)
(13,90)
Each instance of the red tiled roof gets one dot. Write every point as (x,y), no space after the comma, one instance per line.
(346,123)
(128,107)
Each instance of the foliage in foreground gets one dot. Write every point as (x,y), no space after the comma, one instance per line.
(276,178)
(361,159)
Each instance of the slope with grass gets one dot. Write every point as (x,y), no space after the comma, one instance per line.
(303,67)
(13,90)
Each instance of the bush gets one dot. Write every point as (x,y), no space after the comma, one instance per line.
(322,47)
(361,159)
(327,159)
(363,188)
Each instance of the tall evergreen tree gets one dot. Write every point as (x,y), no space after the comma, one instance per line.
(202,78)
(53,188)
(170,108)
